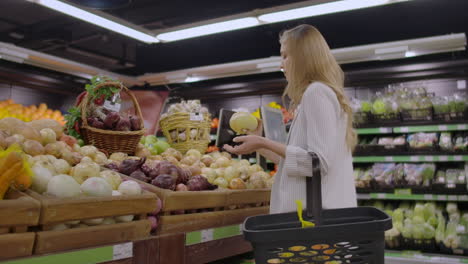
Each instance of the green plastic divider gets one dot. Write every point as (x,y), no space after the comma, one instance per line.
(95,255)
(377,130)
(227,231)
(193,238)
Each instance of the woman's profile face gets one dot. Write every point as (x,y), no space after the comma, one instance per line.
(284,60)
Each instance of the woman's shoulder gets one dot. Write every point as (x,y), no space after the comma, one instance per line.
(320,89)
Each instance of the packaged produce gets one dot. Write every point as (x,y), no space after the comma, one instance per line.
(461,142)
(417,174)
(383,173)
(422,140)
(445,141)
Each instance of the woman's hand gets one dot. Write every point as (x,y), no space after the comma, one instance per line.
(259,130)
(249,144)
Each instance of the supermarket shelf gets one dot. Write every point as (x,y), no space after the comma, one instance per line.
(412,158)
(432,128)
(412,257)
(412,129)
(412,197)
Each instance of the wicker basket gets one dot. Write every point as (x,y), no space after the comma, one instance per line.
(184,122)
(108,140)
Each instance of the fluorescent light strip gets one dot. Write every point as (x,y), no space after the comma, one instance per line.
(322,9)
(209,29)
(96,20)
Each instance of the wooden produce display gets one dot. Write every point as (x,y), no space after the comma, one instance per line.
(195,210)
(55,211)
(18,213)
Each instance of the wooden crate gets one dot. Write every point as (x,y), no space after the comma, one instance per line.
(18,213)
(55,241)
(207,209)
(55,211)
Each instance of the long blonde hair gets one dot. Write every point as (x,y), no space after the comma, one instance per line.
(311,60)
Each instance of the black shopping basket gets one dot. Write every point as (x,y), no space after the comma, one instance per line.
(348,235)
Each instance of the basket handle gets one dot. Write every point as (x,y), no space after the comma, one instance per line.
(122,87)
(314,191)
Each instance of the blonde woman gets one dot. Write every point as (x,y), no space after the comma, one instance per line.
(322,124)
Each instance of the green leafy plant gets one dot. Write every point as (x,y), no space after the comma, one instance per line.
(73,119)
(102,93)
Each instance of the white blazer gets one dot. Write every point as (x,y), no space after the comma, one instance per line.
(319,126)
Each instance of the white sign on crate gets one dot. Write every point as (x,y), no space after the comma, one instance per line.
(196,117)
(122,251)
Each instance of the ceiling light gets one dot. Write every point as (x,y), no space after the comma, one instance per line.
(410,54)
(209,29)
(190,79)
(322,9)
(97,20)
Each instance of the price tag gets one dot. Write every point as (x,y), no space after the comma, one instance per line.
(429,158)
(443,158)
(388,158)
(196,117)
(458,158)
(462,127)
(461,178)
(402,191)
(111,106)
(414,158)
(385,130)
(428,197)
(443,128)
(381,195)
(122,251)
(463,198)
(451,185)
(441,198)
(460,229)
(452,197)
(457,251)
(404,129)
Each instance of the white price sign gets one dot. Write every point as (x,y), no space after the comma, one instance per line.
(404,129)
(429,158)
(381,195)
(196,117)
(123,251)
(428,197)
(462,127)
(452,197)
(458,158)
(385,130)
(111,106)
(443,127)
(388,158)
(414,158)
(443,158)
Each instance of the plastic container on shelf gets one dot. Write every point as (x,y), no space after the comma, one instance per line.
(354,235)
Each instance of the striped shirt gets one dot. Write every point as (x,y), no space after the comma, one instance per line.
(319,126)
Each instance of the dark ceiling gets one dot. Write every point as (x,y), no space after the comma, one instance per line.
(35,27)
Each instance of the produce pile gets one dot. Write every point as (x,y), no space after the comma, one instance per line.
(151,145)
(416,101)
(417,225)
(390,175)
(193,171)
(53,164)
(445,141)
(103,110)
(9,108)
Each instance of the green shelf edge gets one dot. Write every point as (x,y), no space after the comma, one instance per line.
(412,158)
(411,129)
